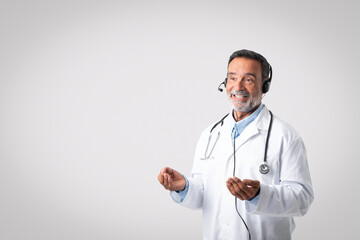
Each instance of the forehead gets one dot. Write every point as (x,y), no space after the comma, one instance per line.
(240,65)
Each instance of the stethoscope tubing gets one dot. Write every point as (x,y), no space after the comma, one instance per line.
(264,167)
(268,136)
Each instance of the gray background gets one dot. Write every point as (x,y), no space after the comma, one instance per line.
(97,96)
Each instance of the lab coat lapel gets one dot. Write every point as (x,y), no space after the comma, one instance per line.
(227,129)
(254,128)
(250,131)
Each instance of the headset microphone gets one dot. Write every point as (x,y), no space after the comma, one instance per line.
(219,87)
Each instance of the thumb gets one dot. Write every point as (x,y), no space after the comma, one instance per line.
(252,183)
(166,170)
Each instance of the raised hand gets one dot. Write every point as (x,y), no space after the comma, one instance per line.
(245,189)
(171,179)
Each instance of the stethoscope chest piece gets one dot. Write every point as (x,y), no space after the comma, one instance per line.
(264,168)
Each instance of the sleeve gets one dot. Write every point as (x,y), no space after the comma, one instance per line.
(254,200)
(294,195)
(194,196)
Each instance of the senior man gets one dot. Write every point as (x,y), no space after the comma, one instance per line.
(250,174)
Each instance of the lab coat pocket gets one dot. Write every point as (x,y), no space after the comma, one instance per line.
(209,169)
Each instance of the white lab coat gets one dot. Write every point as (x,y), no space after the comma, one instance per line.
(286,191)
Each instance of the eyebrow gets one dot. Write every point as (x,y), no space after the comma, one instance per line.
(246,74)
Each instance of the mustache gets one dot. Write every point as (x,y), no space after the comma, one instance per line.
(243,93)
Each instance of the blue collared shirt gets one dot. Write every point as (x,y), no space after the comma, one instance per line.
(237,129)
(241,125)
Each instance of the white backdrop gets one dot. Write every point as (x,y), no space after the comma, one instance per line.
(97,96)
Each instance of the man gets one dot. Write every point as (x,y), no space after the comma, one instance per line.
(250,174)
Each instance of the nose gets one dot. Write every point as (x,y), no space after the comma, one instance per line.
(238,85)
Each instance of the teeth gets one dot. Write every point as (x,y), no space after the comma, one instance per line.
(239,96)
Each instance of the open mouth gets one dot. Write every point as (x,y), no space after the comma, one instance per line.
(238,96)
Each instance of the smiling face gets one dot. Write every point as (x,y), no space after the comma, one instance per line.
(244,85)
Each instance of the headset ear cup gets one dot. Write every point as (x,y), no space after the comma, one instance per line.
(225,82)
(266,86)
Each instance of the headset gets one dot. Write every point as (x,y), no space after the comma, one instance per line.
(265,86)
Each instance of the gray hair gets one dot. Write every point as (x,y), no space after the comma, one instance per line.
(244,53)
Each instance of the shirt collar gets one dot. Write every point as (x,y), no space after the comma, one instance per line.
(242,124)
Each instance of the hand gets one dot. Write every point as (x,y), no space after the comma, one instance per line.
(245,189)
(171,180)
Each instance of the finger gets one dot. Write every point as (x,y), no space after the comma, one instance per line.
(230,187)
(239,186)
(234,189)
(170,182)
(252,183)
(236,193)
(166,170)
(169,178)
(161,178)
(169,171)
(246,191)
(253,187)
(166,181)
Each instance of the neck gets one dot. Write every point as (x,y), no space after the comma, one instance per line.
(238,116)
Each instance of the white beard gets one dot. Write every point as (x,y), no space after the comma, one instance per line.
(244,106)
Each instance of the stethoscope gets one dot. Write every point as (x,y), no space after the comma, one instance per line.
(264,168)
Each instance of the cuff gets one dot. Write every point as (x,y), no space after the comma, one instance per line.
(179,196)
